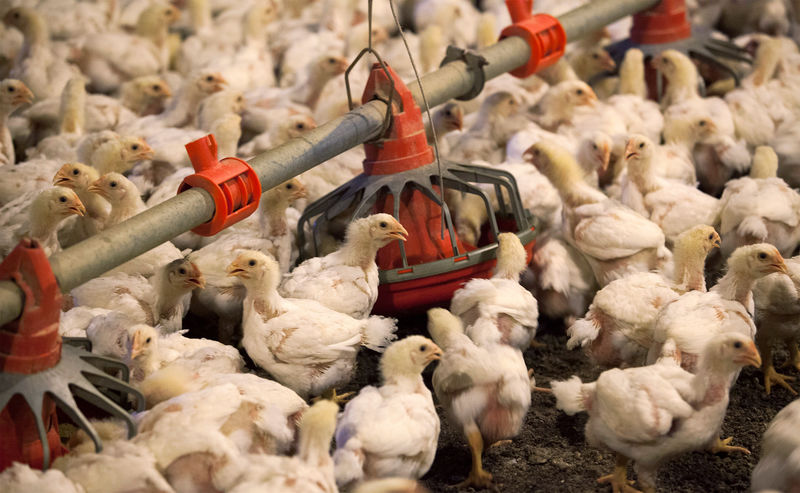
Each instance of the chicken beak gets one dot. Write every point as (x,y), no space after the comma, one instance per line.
(608,63)
(235,271)
(77,208)
(146,152)
(717,243)
(196,281)
(299,193)
(341,66)
(398,232)
(606,158)
(136,345)
(62,178)
(630,150)
(97,188)
(435,355)
(779,266)
(166,92)
(24,96)
(751,357)
(220,83)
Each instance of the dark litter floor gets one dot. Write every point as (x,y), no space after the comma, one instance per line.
(550,454)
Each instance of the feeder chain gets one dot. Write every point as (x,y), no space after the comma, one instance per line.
(387,118)
(475,63)
(231,182)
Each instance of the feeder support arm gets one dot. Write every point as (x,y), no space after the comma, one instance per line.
(195,206)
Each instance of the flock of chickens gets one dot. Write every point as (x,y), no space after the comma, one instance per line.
(639,203)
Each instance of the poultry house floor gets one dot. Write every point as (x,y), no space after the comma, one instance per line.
(550,454)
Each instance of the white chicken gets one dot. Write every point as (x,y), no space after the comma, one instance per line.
(499,310)
(163,299)
(618,328)
(310,470)
(78,177)
(654,413)
(485,388)
(725,308)
(760,208)
(347,279)
(614,239)
(777,301)
(13,94)
(778,468)
(391,430)
(20,478)
(674,206)
(301,343)
(38,219)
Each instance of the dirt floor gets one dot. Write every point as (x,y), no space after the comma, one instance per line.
(550,454)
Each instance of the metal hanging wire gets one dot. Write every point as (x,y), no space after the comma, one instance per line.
(427,108)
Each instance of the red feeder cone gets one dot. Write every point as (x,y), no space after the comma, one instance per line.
(38,374)
(402,178)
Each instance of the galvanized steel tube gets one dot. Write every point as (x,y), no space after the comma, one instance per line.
(112,247)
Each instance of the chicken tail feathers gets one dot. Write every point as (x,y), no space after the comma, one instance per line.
(582,332)
(754,227)
(570,396)
(348,463)
(378,332)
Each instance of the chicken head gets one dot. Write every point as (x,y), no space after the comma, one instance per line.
(184,274)
(408,357)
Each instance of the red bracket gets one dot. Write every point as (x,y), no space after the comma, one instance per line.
(665,23)
(543,33)
(232,183)
(31,343)
(404,146)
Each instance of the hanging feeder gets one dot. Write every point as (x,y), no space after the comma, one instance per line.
(666,26)
(39,375)
(401,177)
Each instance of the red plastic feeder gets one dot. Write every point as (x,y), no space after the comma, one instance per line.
(402,178)
(38,374)
(666,26)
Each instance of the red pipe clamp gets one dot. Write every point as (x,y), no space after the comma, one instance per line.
(543,33)
(232,183)
(665,23)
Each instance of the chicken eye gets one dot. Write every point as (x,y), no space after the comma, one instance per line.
(16,15)
(147,341)
(423,348)
(76,172)
(135,147)
(594,146)
(331,61)
(113,184)
(383,224)
(711,236)
(252,263)
(156,88)
(702,123)
(62,199)
(209,78)
(448,113)
(762,255)
(579,92)
(595,56)
(182,271)
(737,344)
(289,186)
(641,145)
(299,126)
(11,89)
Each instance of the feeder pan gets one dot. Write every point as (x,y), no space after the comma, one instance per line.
(39,375)
(401,178)
(666,26)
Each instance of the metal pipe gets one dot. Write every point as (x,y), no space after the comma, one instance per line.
(596,14)
(100,253)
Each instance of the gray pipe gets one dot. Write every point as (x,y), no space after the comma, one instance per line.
(94,256)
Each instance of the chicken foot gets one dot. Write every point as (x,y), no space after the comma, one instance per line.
(619,478)
(478,478)
(332,395)
(721,445)
(770,375)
